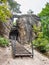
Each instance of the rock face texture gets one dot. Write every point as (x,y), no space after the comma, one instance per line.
(23,31)
(5,28)
(25,24)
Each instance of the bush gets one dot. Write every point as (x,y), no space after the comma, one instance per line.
(4,11)
(3,41)
(41,42)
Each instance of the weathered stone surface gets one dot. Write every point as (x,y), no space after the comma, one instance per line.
(23,31)
(5,28)
(25,23)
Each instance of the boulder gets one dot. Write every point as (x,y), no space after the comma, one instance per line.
(25,24)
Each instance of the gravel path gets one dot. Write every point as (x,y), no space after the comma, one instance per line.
(7,59)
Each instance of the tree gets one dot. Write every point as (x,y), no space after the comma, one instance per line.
(14,6)
(45,11)
(44,15)
(4,11)
(30,11)
(42,41)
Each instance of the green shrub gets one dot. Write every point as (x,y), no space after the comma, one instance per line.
(3,41)
(4,11)
(44,16)
(41,42)
(36,28)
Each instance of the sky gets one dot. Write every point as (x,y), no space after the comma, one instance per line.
(35,5)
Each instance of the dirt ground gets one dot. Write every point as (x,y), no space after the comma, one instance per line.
(7,59)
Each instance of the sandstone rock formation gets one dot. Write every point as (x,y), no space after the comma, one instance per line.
(5,28)
(25,24)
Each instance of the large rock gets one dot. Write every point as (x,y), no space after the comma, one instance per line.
(5,28)
(25,24)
